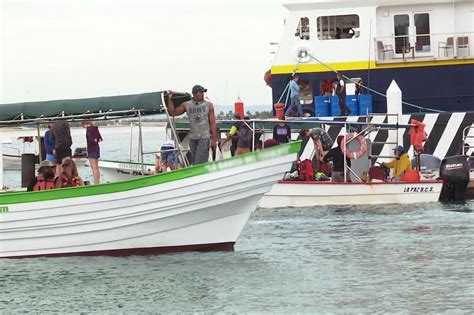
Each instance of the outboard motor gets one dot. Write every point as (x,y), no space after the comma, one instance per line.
(454,170)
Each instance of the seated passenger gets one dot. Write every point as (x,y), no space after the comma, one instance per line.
(45,178)
(158,164)
(400,164)
(337,157)
(169,156)
(69,177)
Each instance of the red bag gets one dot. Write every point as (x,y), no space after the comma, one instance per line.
(305,170)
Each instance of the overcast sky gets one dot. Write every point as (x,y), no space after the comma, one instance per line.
(83,48)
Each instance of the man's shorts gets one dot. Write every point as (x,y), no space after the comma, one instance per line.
(169,156)
(62,153)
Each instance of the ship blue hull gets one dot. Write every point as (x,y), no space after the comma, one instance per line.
(447,88)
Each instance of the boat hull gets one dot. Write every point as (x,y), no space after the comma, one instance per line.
(313,194)
(199,208)
(116,171)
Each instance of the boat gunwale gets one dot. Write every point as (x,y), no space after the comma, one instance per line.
(7,198)
(360,183)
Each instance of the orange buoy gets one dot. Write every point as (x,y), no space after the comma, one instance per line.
(267,77)
(279,109)
(356,153)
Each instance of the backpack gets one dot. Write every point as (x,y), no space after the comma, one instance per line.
(305,170)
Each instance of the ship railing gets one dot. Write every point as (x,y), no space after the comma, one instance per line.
(424,47)
(467,139)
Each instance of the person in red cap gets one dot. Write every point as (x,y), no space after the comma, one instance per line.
(337,157)
(202,123)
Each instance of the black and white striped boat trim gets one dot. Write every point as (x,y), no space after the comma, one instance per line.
(445,132)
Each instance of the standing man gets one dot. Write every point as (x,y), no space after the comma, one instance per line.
(202,123)
(336,155)
(341,93)
(294,96)
(61,137)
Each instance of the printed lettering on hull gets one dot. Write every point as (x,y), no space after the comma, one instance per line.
(419,189)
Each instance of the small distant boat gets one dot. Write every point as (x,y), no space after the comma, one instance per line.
(312,194)
(116,171)
(11,162)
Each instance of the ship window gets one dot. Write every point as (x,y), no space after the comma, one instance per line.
(302,31)
(338,27)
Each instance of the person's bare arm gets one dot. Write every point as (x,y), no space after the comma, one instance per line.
(175,111)
(213,125)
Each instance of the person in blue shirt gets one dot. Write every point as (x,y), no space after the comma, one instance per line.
(49,146)
(294,96)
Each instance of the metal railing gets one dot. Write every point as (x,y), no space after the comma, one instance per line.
(424,46)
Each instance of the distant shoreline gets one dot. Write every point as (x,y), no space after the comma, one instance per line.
(144,124)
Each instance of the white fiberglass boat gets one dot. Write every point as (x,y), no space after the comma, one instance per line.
(312,194)
(202,207)
(117,171)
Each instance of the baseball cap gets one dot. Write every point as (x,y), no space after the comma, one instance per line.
(46,163)
(399,149)
(198,88)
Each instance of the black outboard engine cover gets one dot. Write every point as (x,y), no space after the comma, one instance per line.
(454,170)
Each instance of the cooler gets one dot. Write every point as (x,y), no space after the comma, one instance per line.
(366,104)
(353,104)
(322,106)
(334,106)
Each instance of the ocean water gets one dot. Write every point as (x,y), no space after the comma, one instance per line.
(359,259)
(367,259)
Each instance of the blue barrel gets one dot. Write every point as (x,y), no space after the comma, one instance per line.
(322,106)
(366,104)
(353,103)
(334,107)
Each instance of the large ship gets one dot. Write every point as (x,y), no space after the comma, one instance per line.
(426,46)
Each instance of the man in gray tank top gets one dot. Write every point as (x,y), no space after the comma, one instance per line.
(202,123)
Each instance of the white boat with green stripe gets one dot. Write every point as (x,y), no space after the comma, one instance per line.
(202,207)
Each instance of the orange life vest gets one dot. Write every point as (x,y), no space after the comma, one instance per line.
(417,135)
(43,183)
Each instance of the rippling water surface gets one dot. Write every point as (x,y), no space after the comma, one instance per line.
(403,259)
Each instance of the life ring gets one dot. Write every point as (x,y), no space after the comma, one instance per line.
(362,146)
(303,54)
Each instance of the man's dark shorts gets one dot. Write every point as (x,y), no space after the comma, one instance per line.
(62,153)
